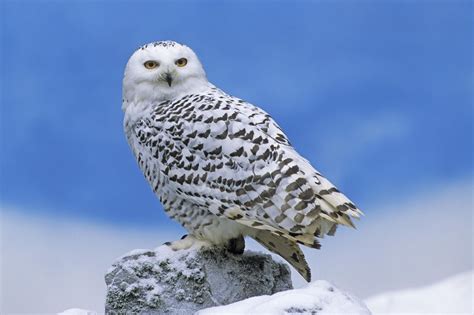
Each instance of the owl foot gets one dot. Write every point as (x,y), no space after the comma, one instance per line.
(236,245)
(186,242)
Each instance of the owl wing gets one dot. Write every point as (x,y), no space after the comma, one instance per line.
(232,158)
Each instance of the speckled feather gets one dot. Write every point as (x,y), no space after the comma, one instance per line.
(221,165)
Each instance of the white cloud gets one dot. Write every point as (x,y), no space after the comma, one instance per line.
(49,265)
(407,243)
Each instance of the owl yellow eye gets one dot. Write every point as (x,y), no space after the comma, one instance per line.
(181,62)
(150,64)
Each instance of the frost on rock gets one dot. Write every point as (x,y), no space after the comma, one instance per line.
(163,281)
(319,297)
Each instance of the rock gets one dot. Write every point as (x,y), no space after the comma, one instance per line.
(163,281)
(319,297)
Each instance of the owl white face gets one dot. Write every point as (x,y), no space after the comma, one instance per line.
(161,71)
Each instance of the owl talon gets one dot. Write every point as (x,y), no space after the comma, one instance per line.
(236,245)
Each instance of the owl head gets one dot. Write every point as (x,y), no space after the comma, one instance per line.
(162,71)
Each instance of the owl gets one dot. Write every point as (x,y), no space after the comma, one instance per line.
(221,166)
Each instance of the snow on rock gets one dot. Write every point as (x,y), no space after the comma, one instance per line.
(451,296)
(163,281)
(319,297)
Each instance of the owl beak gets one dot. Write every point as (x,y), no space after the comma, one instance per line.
(168,78)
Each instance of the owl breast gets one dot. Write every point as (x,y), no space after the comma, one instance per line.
(157,155)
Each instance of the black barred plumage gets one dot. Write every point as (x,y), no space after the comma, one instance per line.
(222,167)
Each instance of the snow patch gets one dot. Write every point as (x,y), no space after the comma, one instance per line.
(77,311)
(319,297)
(452,295)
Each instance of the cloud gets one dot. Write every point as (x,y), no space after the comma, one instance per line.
(49,265)
(409,243)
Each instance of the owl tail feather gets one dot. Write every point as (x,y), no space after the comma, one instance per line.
(287,249)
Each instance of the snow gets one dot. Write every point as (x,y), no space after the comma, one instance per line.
(184,281)
(450,296)
(77,311)
(319,297)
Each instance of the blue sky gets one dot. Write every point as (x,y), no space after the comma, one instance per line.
(378,96)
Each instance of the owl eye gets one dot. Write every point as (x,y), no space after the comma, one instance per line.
(150,64)
(181,62)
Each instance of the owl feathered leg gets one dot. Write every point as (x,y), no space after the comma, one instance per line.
(186,242)
(287,249)
(234,245)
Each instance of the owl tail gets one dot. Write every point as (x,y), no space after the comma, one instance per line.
(287,249)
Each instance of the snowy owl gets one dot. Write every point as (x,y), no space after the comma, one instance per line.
(220,166)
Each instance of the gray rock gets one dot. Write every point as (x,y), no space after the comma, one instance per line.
(166,282)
